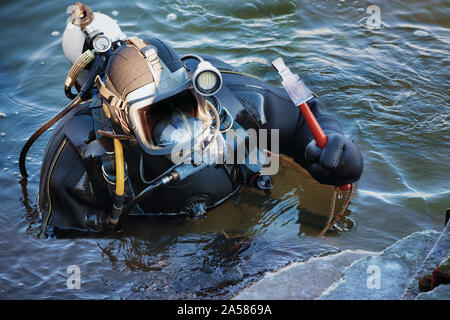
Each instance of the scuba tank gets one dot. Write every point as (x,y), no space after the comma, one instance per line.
(99,34)
(82,26)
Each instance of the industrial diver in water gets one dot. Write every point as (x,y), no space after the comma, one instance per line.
(127,142)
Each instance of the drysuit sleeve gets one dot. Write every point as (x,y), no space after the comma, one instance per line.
(339,163)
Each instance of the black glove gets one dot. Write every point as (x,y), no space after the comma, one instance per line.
(339,163)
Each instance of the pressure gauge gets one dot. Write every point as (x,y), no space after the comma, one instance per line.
(101,43)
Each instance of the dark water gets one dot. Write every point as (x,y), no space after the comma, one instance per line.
(389,88)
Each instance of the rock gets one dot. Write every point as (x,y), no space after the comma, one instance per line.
(387,275)
(441,292)
(437,255)
(302,280)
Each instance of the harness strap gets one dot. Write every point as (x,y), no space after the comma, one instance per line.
(115,102)
(149,53)
(103,125)
(112,99)
(112,135)
(135,41)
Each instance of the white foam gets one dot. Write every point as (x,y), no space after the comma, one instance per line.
(171,17)
(421,33)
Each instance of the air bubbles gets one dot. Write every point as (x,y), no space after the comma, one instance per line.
(2,134)
(55,33)
(115,13)
(421,33)
(2,115)
(171,17)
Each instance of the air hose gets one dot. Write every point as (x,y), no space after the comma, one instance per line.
(180,173)
(120,183)
(75,71)
(144,194)
(97,68)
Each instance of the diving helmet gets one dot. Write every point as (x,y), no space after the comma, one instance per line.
(160,108)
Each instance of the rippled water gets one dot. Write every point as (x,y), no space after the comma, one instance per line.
(389,88)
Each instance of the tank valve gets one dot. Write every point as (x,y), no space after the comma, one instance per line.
(81,15)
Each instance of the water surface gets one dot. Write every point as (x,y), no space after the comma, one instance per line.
(388,87)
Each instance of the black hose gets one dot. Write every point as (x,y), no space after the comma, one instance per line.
(41,130)
(97,68)
(141,196)
(68,93)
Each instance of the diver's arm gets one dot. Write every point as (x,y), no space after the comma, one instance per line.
(339,163)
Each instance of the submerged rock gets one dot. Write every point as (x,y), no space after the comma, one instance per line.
(304,280)
(387,275)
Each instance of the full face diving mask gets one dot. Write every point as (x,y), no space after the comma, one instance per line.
(162,109)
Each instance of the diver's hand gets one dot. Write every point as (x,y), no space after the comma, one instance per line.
(339,163)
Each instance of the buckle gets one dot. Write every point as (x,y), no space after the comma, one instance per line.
(151,54)
(118,103)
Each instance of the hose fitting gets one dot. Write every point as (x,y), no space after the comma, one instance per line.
(116,211)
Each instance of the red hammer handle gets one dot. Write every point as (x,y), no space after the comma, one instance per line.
(316,131)
(313,125)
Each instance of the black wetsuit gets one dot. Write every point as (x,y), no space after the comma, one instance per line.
(76,191)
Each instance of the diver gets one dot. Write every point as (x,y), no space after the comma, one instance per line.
(140,105)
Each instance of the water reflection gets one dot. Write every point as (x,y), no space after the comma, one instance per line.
(210,265)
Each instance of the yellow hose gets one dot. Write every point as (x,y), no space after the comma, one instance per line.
(120,168)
